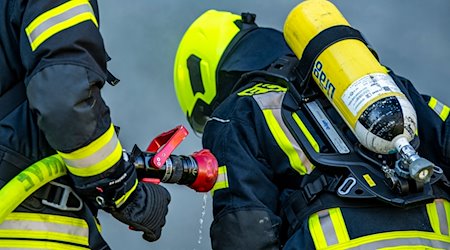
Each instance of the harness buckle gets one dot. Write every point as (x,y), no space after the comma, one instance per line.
(61,196)
(323,183)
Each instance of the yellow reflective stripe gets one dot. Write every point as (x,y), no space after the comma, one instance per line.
(122,199)
(95,158)
(37,244)
(328,228)
(44,226)
(441,109)
(99,167)
(93,147)
(222,179)
(47,217)
(439,215)
(446,205)
(316,231)
(397,238)
(445,112)
(283,141)
(433,216)
(57,19)
(432,102)
(306,132)
(339,225)
(31,234)
(409,248)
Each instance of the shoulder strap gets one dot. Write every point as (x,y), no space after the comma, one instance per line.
(323,40)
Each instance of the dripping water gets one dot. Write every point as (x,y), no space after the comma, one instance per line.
(202,219)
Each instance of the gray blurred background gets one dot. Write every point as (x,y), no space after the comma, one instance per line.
(141,36)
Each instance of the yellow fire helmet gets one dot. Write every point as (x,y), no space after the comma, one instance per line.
(215,52)
(198,57)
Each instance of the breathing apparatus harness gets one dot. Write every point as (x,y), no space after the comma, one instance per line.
(346,174)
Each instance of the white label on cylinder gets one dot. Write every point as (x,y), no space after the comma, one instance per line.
(367,88)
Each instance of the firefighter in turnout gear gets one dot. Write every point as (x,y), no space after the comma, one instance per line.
(52,69)
(238,87)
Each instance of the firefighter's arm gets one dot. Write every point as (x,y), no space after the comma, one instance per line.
(433,125)
(64,55)
(245,198)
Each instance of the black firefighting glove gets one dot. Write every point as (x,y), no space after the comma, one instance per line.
(142,206)
(145,210)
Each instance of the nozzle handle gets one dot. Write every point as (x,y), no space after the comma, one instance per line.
(165,143)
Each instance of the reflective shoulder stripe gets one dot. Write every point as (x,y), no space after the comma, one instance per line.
(328,228)
(57,19)
(441,109)
(95,158)
(222,179)
(270,104)
(45,227)
(439,215)
(261,88)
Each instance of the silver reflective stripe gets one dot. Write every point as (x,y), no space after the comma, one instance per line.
(222,177)
(96,157)
(270,100)
(404,242)
(327,227)
(222,180)
(443,217)
(64,16)
(44,227)
(273,101)
(213,118)
(438,108)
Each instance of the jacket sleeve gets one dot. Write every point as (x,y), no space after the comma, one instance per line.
(433,125)
(63,53)
(245,197)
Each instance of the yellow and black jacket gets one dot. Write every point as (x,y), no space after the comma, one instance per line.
(262,166)
(52,67)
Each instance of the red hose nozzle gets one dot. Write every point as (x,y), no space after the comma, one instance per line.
(207,171)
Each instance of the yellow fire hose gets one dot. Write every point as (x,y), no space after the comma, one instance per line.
(28,181)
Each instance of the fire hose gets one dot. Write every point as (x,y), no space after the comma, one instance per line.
(157,164)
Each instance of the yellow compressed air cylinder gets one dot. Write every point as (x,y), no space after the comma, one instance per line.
(353,80)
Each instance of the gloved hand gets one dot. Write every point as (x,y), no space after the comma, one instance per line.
(145,210)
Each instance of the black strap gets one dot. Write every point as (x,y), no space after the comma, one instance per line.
(323,183)
(11,99)
(298,207)
(321,194)
(323,40)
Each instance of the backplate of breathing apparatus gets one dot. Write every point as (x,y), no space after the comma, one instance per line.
(362,173)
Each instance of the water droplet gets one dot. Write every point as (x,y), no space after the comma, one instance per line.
(202,217)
